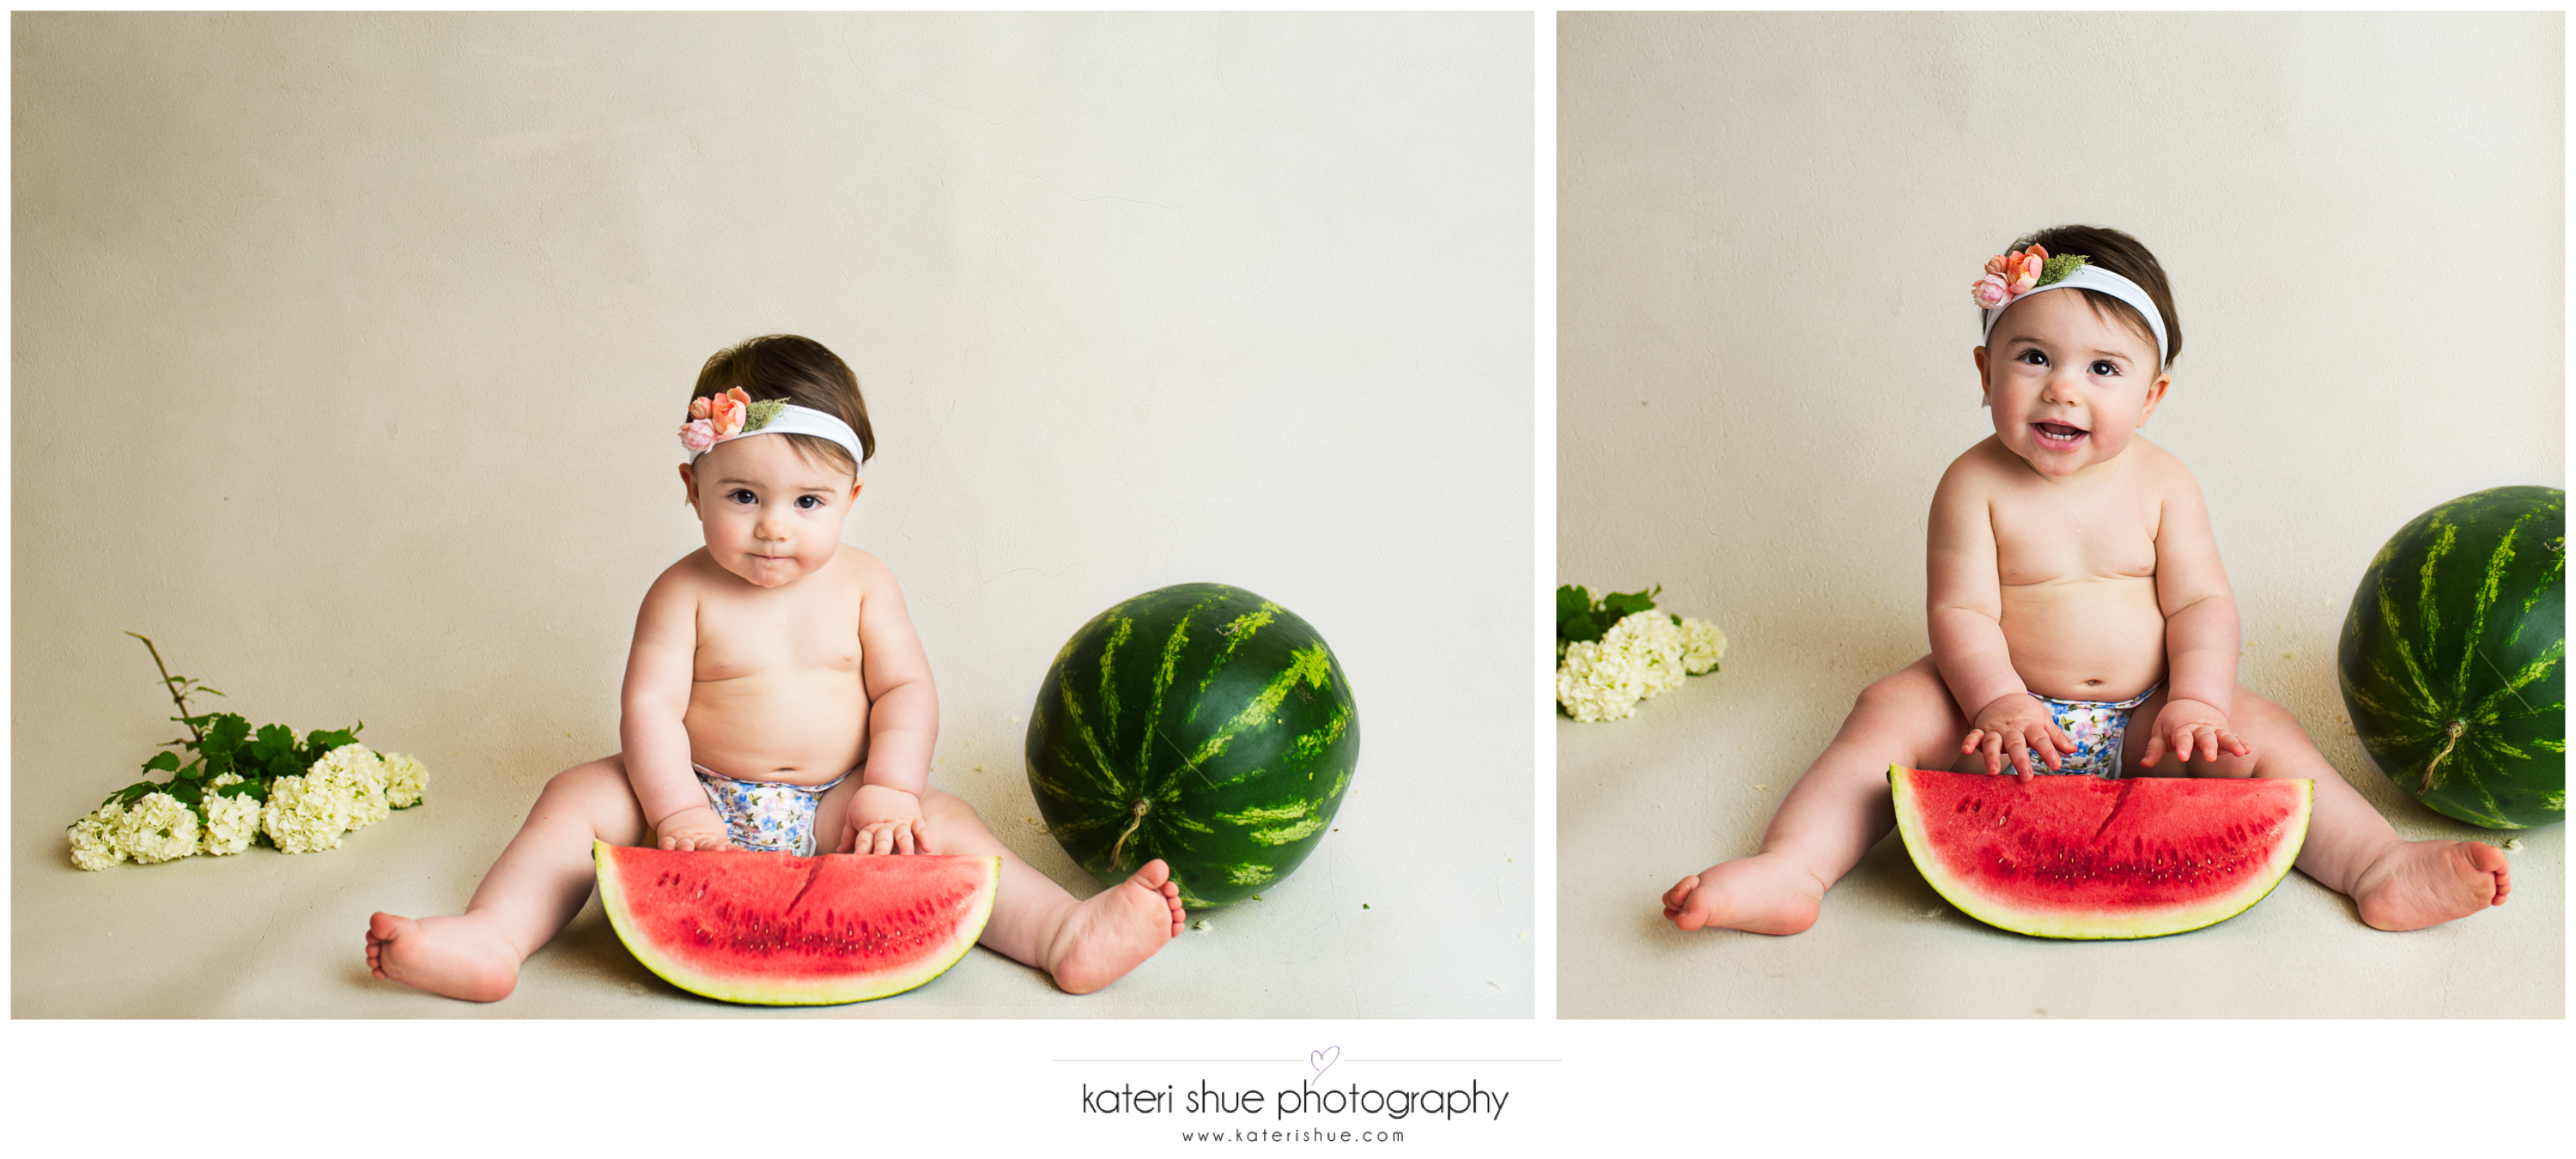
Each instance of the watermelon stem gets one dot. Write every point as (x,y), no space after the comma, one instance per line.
(1136,811)
(2452,731)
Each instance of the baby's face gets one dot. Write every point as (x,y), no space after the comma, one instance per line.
(771,516)
(2069,386)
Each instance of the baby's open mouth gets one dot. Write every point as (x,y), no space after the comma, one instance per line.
(2057,434)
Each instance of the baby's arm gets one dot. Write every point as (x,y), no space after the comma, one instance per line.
(1966,609)
(903,722)
(2200,628)
(660,669)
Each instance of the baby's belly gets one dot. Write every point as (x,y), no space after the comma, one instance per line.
(800,727)
(2086,639)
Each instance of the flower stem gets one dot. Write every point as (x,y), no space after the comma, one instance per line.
(173,685)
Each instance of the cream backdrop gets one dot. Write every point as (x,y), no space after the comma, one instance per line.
(348,352)
(1768,224)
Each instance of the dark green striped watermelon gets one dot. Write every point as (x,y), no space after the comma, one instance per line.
(2451,658)
(1200,724)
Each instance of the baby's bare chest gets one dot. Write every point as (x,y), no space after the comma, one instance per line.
(813,633)
(2041,541)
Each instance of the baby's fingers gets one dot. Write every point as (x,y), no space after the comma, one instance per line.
(2155,750)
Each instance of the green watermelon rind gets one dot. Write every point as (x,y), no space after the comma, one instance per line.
(2095,927)
(2402,684)
(754,989)
(1253,740)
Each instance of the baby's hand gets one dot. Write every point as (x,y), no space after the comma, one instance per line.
(693,828)
(884,820)
(2187,724)
(2014,728)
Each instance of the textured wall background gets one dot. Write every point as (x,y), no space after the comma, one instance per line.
(347,353)
(1767,228)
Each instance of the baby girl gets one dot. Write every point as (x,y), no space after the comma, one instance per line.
(776,698)
(2081,622)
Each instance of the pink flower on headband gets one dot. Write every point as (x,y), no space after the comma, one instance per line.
(2008,276)
(713,419)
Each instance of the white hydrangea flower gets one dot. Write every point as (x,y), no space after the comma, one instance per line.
(1641,655)
(353,773)
(157,828)
(1702,646)
(304,814)
(1593,684)
(406,781)
(94,838)
(231,822)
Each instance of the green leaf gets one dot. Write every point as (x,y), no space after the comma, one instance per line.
(273,741)
(162,762)
(225,733)
(285,765)
(1620,606)
(1574,615)
(318,743)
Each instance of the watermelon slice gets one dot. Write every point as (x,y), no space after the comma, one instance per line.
(2082,857)
(774,929)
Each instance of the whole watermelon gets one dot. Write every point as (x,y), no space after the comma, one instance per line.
(2451,657)
(1200,724)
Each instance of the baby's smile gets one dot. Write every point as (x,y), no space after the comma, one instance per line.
(2057,436)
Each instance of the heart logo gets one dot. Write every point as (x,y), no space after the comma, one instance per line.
(1323,1060)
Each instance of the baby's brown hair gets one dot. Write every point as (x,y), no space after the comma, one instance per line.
(2123,255)
(799,371)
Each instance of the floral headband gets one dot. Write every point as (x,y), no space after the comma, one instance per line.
(732,415)
(2013,276)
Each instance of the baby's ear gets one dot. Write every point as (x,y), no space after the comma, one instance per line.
(855,484)
(688,486)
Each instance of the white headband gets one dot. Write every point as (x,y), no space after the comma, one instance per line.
(730,417)
(2092,277)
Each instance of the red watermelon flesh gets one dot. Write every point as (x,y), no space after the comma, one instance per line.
(2082,857)
(773,929)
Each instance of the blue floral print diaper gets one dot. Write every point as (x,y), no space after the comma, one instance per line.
(2097,727)
(766,816)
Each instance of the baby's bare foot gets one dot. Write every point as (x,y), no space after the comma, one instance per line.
(1762,894)
(1113,931)
(454,956)
(2425,883)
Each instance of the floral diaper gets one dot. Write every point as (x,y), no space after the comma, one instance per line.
(766,816)
(2097,727)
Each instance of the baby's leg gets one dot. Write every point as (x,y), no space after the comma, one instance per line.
(1085,944)
(1836,811)
(539,883)
(2350,848)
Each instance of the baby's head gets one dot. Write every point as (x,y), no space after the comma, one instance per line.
(775,439)
(799,372)
(2071,376)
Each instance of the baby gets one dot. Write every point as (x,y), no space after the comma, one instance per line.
(776,698)
(2075,591)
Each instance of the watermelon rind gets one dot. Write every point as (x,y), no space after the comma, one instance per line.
(2451,660)
(2107,922)
(1200,724)
(624,890)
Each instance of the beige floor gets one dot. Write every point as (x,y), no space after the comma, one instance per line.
(264,934)
(1694,777)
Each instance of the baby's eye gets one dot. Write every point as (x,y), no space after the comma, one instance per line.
(809,502)
(2031,357)
(2106,367)
(742,495)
